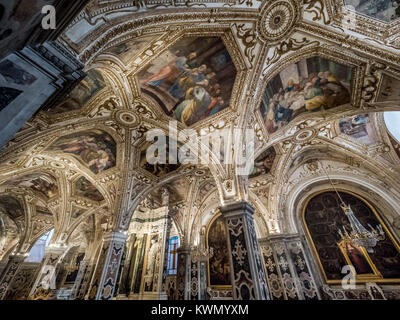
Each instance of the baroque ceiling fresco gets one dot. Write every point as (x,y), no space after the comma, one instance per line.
(312,93)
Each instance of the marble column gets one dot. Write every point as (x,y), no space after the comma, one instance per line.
(105,275)
(123,289)
(164,256)
(9,272)
(138,270)
(183,274)
(83,288)
(79,278)
(288,270)
(247,271)
(45,284)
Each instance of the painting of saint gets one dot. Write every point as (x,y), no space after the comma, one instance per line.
(127,50)
(386,10)
(359,128)
(159,168)
(389,89)
(11,207)
(192,80)
(82,93)
(43,184)
(94,148)
(84,188)
(263,163)
(357,259)
(218,263)
(323,218)
(7,95)
(14,74)
(310,85)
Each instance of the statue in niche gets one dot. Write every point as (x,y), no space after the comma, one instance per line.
(154,250)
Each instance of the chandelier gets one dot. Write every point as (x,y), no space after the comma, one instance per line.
(358,235)
(199,253)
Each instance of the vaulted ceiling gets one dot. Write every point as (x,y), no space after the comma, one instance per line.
(297,72)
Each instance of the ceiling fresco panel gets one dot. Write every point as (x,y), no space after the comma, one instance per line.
(192,80)
(359,128)
(84,188)
(42,184)
(310,85)
(11,206)
(94,148)
(82,93)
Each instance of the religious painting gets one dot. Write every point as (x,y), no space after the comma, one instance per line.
(323,219)
(94,148)
(159,164)
(41,183)
(192,80)
(310,85)
(359,128)
(7,95)
(264,162)
(82,93)
(127,50)
(14,74)
(385,10)
(11,207)
(77,212)
(389,89)
(218,264)
(84,188)
(153,264)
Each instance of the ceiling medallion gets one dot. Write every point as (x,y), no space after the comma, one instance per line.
(304,136)
(278,20)
(126,118)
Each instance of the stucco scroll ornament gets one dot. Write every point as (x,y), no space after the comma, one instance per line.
(248,36)
(371,80)
(317,7)
(288,46)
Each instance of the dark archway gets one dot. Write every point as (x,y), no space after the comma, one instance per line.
(323,217)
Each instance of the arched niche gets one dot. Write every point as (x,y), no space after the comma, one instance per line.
(322,217)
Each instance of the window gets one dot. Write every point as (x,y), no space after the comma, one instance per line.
(392,120)
(173,255)
(37,252)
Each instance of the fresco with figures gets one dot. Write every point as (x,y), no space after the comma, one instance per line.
(218,263)
(389,89)
(310,85)
(159,164)
(94,148)
(82,93)
(359,128)
(263,163)
(84,188)
(11,207)
(43,184)
(13,81)
(192,80)
(385,10)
